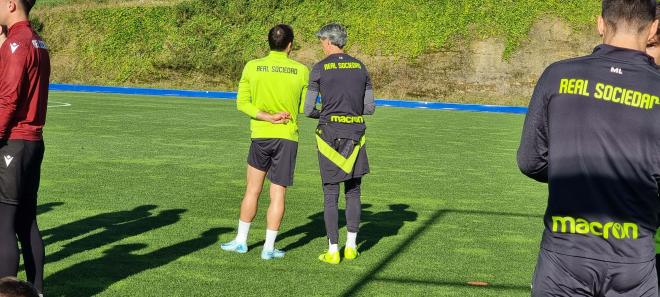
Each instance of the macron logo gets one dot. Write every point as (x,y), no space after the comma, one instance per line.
(14,47)
(8,160)
(616,70)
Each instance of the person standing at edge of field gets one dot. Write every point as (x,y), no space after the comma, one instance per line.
(24,78)
(271,92)
(347,95)
(592,133)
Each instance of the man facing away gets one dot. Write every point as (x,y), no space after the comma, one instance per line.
(24,77)
(593,134)
(347,95)
(270,92)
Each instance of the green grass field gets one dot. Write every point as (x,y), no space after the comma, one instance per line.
(137,192)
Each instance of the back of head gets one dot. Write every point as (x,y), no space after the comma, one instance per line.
(655,41)
(631,15)
(15,11)
(334,32)
(12,287)
(279,37)
(27,5)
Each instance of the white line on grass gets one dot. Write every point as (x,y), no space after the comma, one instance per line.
(58,104)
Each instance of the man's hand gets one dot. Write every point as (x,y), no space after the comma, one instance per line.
(277,118)
(281,118)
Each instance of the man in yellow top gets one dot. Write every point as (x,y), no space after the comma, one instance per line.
(271,92)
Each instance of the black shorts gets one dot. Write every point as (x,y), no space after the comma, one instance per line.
(275,156)
(561,275)
(331,143)
(20,171)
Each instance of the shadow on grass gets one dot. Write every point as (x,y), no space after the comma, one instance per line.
(117,232)
(315,228)
(384,224)
(102,230)
(47,207)
(119,262)
(375,226)
(405,244)
(101,221)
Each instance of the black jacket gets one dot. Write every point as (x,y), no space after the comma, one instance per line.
(592,133)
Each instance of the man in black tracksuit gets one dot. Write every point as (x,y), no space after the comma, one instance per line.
(593,134)
(346,92)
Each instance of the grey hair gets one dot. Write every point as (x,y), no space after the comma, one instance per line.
(334,32)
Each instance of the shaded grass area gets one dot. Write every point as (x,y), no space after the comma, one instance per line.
(138,191)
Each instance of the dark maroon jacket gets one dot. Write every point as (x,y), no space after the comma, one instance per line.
(24,78)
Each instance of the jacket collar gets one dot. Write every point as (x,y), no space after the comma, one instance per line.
(629,55)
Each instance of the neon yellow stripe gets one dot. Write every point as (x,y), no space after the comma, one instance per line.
(345,164)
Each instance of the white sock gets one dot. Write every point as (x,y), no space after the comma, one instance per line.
(271,235)
(332,248)
(350,240)
(242,234)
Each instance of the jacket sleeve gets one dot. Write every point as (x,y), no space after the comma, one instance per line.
(11,83)
(532,154)
(303,92)
(312,94)
(369,100)
(244,97)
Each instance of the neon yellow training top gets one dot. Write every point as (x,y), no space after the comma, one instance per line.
(273,84)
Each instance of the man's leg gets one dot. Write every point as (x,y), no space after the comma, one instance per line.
(10,181)
(32,245)
(8,242)
(331,214)
(259,162)
(331,217)
(250,203)
(353,213)
(276,208)
(281,176)
(255,182)
(274,215)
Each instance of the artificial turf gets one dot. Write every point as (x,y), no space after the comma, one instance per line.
(137,192)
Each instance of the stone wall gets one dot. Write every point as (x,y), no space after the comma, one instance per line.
(476,72)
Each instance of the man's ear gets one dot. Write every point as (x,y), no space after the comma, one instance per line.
(602,26)
(12,5)
(654,30)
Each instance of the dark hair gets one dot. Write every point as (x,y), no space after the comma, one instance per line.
(11,287)
(657,16)
(27,5)
(279,37)
(629,13)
